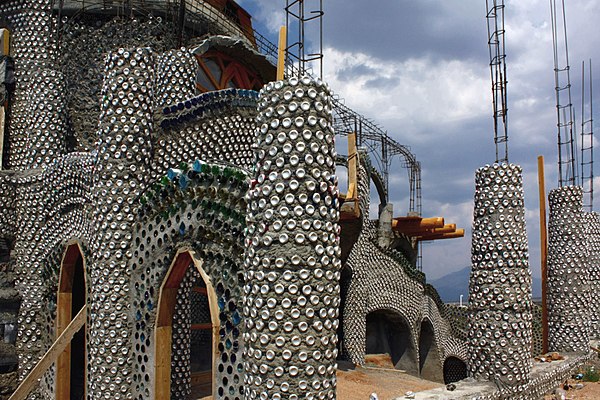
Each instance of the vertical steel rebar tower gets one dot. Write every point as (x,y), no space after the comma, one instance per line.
(300,14)
(587,141)
(495,26)
(567,163)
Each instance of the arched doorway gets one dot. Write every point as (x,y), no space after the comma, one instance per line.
(429,356)
(71,297)
(455,370)
(389,333)
(203,331)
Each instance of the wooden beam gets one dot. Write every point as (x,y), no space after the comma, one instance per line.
(63,363)
(4,42)
(415,223)
(51,355)
(352,165)
(544,252)
(438,236)
(448,228)
(351,195)
(281,53)
(162,360)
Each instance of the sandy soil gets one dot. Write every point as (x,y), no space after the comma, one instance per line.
(590,390)
(359,383)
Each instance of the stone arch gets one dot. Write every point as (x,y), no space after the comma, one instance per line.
(455,369)
(430,367)
(167,299)
(389,332)
(71,298)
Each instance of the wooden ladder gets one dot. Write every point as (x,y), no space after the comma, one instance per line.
(51,355)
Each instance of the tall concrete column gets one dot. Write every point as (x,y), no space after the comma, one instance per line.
(500,329)
(124,153)
(568,275)
(292,261)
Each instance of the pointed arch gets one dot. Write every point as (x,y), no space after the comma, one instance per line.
(167,299)
(71,297)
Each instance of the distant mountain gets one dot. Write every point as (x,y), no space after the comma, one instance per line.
(451,286)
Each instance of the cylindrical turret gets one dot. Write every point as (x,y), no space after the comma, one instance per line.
(292,261)
(500,335)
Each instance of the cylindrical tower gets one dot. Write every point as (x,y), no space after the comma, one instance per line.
(292,261)
(124,153)
(500,336)
(568,276)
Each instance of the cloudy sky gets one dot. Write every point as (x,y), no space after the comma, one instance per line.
(420,70)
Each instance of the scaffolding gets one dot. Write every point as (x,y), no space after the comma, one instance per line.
(199,17)
(587,140)
(567,162)
(495,27)
(382,150)
(300,16)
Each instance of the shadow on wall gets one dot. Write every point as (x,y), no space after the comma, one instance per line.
(389,333)
(429,356)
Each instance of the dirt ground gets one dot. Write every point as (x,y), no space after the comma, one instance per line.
(590,390)
(379,376)
(359,383)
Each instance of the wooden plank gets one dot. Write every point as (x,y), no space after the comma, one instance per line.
(352,165)
(4,42)
(166,305)
(281,53)
(63,363)
(50,357)
(162,360)
(544,252)
(351,195)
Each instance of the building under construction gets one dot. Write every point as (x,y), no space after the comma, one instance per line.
(172,224)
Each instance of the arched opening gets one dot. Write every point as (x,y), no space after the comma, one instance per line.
(389,333)
(202,335)
(455,370)
(72,294)
(429,356)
